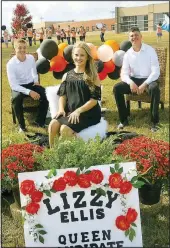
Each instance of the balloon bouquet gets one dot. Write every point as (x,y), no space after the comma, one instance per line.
(58,58)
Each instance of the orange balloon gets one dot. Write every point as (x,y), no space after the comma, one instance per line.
(58,63)
(61,47)
(94,52)
(109,66)
(113,44)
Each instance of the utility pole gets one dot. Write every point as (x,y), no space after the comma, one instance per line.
(113,13)
(41,18)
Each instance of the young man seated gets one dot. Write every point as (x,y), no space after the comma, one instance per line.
(23,80)
(140,72)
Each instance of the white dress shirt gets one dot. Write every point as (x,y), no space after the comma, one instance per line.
(142,64)
(20,73)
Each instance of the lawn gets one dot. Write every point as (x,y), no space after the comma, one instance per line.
(154,221)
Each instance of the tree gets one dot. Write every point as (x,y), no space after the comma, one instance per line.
(21,18)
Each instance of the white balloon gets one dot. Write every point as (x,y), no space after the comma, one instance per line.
(39,53)
(118,58)
(105,53)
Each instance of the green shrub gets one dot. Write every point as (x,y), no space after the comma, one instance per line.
(76,153)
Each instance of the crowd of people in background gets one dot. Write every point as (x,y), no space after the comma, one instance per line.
(68,35)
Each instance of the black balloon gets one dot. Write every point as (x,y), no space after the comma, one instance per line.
(49,49)
(59,75)
(125,45)
(100,65)
(67,53)
(3,27)
(29,25)
(42,65)
(69,67)
(115,74)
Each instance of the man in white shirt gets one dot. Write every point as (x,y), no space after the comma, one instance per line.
(23,80)
(140,72)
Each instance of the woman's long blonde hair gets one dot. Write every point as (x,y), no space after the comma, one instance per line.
(90,74)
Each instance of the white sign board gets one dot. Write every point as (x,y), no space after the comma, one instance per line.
(79,217)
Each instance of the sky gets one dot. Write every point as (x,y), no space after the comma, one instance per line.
(67,10)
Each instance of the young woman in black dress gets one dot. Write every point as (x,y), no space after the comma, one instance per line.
(79,94)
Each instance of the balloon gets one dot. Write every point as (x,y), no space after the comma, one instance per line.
(29,25)
(109,66)
(118,57)
(69,67)
(58,75)
(3,27)
(58,63)
(102,75)
(42,65)
(99,65)
(49,49)
(125,45)
(115,74)
(61,47)
(67,53)
(105,53)
(94,52)
(113,44)
(39,53)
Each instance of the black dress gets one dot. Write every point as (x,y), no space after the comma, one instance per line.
(77,94)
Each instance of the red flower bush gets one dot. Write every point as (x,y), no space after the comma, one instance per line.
(115,180)
(96,176)
(125,187)
(151,156)
(32,208)
(84,181)
(122,223)
(71,178)
(18,158)
(59,184)
(27,187)
(131,215)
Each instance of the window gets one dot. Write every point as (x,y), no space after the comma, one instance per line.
(158,17)
(127,22)
(112,27)
(93,28)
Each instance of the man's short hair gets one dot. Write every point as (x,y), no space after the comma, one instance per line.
(20,41)
(134,29)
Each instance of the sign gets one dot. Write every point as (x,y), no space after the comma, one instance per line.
(94,208)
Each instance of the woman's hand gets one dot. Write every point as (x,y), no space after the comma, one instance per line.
(74,117)
(60,113)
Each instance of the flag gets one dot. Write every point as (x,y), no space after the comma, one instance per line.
(165,24)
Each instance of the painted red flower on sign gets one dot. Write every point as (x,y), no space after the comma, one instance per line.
(125,187)
(71,178)
(32,208)
(36,196)
(96,176)
(84,181)
(59,184)
(115,180)
(121,223)
(131,215)
(27,187)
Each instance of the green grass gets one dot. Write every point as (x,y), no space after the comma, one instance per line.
(154,226)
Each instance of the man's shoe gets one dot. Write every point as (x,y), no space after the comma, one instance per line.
(122,125)
(155,128)
(22,130)
(36,124)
